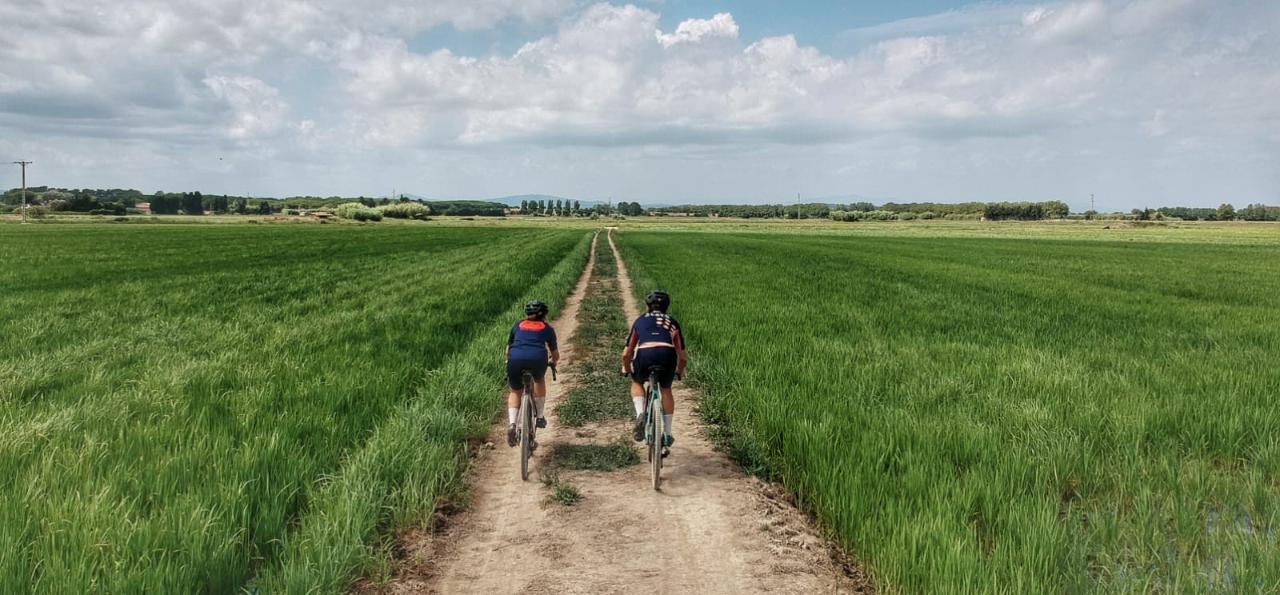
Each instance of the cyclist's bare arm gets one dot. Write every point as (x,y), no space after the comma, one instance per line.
(629,351)
(682,356)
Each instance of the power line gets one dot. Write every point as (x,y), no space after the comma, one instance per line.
(24,165)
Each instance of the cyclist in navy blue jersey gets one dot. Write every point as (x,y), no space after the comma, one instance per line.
(655,342)
(530,347)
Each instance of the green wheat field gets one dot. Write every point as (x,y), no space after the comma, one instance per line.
(999,415)
(965,408)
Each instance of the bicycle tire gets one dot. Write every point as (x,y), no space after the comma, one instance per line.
(648,429)
(656,431)
(525,434)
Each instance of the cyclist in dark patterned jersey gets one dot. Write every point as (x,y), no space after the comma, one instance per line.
(655,341)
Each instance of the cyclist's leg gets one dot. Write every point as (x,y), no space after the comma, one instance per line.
(540,401)
(639,373)
(637,396)
(638,400)
(667,375)
(513,405)
(668,401)
(539,371)
(515,384)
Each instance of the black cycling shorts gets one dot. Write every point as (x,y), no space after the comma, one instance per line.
(517,366)
(654,356)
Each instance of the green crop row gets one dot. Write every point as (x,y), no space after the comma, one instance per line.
(991,415)
(414,459)
(176,402)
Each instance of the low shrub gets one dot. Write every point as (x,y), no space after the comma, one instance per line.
(109,209)
(847,215)
(358,212)
(405,210)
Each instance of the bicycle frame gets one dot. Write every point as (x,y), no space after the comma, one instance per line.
(525,430)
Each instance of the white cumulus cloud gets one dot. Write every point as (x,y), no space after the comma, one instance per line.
(1157,90)
(693,30)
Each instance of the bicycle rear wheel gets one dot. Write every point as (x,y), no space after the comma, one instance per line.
(526,434)
(656,431)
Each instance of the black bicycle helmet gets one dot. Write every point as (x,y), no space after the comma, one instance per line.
(535,308)
(658,300)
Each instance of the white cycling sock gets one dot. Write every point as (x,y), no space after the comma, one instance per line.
(639,403)
(512,414)
(666,421)
(538,405)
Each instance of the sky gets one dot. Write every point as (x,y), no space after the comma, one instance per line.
(1140,103)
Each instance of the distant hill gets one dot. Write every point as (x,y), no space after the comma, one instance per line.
(514,200)
(845,199)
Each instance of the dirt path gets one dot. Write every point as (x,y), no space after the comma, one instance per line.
(710,530)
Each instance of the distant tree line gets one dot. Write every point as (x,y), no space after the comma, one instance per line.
(121,201)
(80,200)
(573,208)
(771,211)
(1025,211)
(1224,212)
(468,208)
(548,208)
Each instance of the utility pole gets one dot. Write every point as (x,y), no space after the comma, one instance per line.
(24,165)
(1091,203)
(797,206)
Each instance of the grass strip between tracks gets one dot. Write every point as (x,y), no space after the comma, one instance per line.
(599,392)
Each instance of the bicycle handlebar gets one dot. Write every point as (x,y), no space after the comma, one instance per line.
(679,376)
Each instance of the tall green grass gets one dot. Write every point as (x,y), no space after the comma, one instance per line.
(989,415)
(415,458)
(176,401)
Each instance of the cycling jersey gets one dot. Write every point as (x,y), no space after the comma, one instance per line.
(530,339)
(656,329)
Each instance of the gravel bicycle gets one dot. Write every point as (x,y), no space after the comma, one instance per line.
(653,427)
(525,428)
